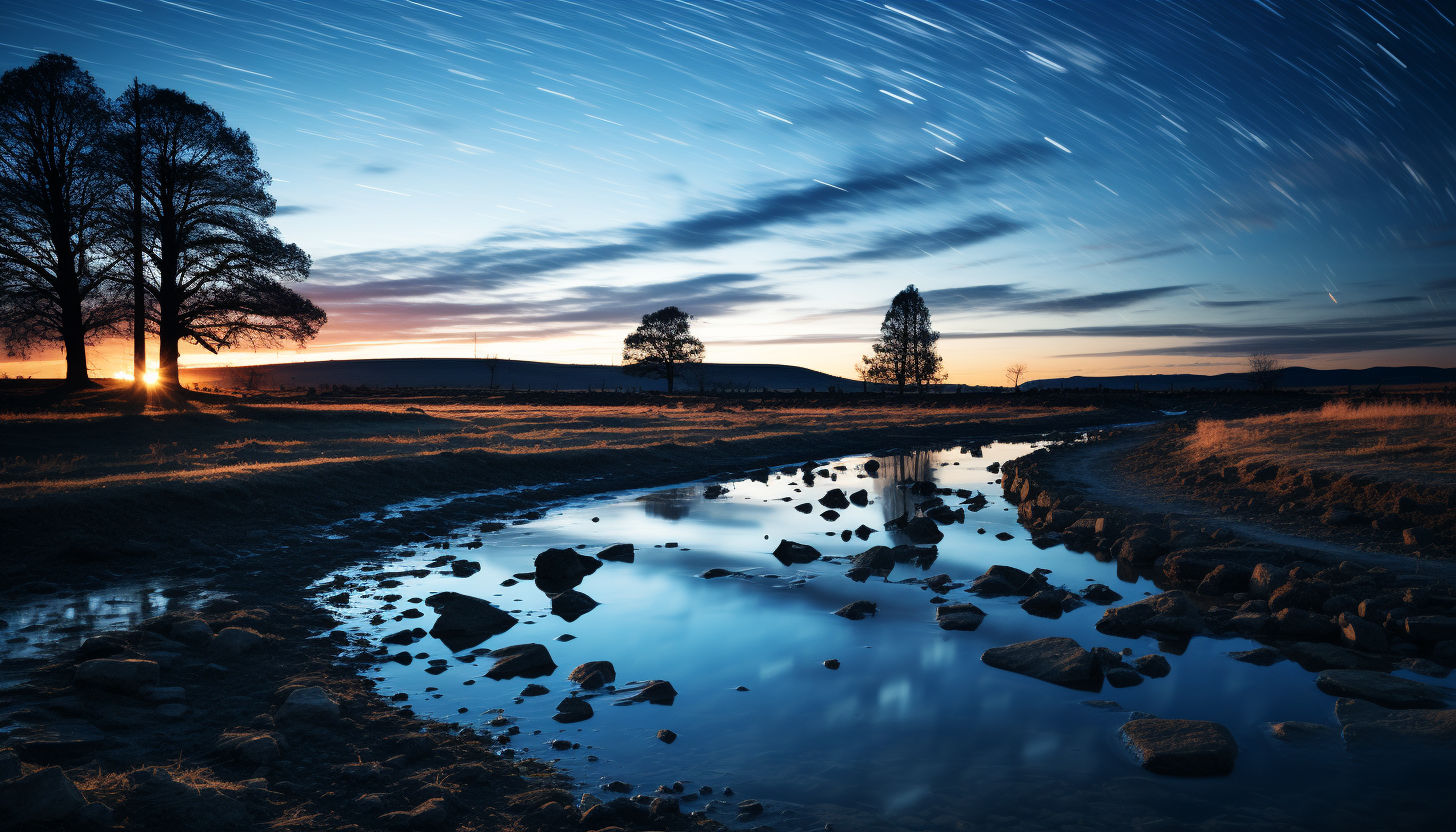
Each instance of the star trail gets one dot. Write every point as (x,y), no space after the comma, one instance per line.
(1087,187)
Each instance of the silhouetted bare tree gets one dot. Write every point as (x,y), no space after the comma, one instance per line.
(905,353)
(54,281)
(660,344)
(217,270)
(1265,371)
(1014,374)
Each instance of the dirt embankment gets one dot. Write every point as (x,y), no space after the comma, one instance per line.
(1307,603)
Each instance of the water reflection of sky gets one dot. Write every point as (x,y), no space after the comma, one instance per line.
(912,724)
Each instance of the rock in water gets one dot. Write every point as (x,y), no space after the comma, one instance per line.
(923,530)
(120,675)
(657,691)
(834,498)
(465,620)
(562,569)
(592,675)
(571,605)
(959,616)
(788,552)
(573,710)
(1365,725)
(1061,661)
(526,660)
(1172,613)
(856,610)
(860,498)
(1385,690)
(667,736)
(39,797)
(1183,747)
(877,561)
(622,552)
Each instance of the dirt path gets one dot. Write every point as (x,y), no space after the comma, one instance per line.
(1100,469)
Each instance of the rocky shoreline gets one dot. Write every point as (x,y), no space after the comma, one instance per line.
(1350,622)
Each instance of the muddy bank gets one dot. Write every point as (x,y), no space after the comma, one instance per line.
(1309,604)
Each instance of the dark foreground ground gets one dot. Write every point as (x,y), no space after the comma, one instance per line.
(99,490)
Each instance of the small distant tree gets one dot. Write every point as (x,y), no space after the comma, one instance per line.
(1014,374)
(660,344)
(906,353)
(1265,370)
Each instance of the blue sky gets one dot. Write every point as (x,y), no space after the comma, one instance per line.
(1088,187)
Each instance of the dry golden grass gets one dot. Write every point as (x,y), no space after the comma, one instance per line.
(72,451)
(1413,441)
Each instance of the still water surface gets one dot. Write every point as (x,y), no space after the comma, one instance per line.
(912,731)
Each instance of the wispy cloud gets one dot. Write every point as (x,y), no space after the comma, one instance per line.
(1147,255)
(907,244)
(493,263)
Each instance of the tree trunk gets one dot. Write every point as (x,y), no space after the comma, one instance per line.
(73,336)
(169,337)
(669,377)
(138,279)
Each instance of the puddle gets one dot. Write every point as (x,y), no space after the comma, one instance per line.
(42,626)
(912,730)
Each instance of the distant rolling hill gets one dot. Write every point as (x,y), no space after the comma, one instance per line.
(520,375)
(1294,378)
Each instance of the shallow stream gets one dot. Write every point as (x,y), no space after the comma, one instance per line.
(912,730)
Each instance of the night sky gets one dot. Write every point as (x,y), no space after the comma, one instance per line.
(1088,187)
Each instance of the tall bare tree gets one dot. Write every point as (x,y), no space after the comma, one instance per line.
(906,353)
(662,343)
(1014,374)
(217,268)
(54,275)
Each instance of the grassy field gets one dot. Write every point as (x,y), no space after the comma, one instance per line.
(100,472)
(1410,441)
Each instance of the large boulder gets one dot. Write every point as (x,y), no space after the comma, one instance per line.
(1061,661)
(572,709)
(959,616)
(308,705)
(558,570)
(1430,629)
(1385,690)
(1172,613)
(1265,579)
(834,498)
(44,796)
(592,675)
(1184,747)
(1361,634)
(571,604)
(237,641)
(1316,656)
(655,691)
(1008,580)
(877,561)
(789,553)
(525,660)
(622,552)
(54,742)
(1366,725)
(119,675)
(923,530)
(465,620)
